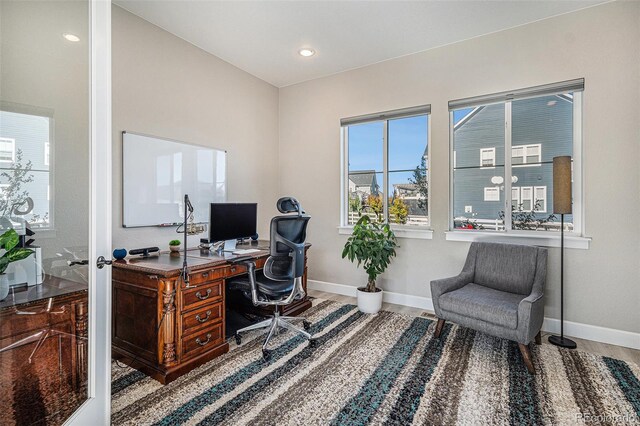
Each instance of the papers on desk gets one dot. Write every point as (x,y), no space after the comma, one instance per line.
(246,251)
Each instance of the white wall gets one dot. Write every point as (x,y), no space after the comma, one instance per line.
(40,69)
(166,87)
(600,44)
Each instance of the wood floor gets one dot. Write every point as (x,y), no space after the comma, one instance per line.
(619,352)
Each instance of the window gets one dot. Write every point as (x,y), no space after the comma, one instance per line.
(492,194)
(7,150)
(533,125)
(25,175)
(487,157)
(526,155)
(386,167)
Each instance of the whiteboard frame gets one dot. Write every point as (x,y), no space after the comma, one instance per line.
(163,225)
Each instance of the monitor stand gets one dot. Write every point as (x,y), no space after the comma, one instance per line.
(230,245)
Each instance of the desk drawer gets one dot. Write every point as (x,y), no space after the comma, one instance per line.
(201,318)
(203,294)
(206,275)
(240,269)
(202,341)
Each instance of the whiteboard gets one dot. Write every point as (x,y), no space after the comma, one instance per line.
(157,173)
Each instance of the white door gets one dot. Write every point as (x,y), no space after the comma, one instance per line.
(55,180)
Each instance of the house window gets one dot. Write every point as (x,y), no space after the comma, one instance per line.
(25,175)
(533,126)
(386,167)
(487,157)
(526,155)
(7,150)
(491,194)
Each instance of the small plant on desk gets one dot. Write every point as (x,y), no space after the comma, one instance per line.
(9,242)
(174,245)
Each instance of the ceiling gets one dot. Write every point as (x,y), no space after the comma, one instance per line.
(263,37)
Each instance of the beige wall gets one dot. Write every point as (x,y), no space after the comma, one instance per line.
(166,87)
(600,44)
(39,69)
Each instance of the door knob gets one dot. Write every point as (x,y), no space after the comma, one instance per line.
(102,261)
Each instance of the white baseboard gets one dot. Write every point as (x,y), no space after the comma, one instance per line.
(551,325)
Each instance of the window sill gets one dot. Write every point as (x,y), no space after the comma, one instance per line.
(420,233)
(570,241)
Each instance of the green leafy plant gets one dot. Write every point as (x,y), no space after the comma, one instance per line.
(174,242)
(373,245)
(9,241)
(419,179)
(398,208)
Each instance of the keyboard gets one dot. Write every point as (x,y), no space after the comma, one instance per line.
(246,251)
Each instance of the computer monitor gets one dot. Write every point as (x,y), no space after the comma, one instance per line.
(230,221)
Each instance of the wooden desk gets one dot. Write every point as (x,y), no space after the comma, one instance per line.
(164,329)
(51,385)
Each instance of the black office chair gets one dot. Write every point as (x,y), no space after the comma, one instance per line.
(280,282)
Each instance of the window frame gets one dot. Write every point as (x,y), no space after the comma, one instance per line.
(488,189)
(574,238)
(410,231)
(50,231)
(13,150)
(526,152)
(492,150)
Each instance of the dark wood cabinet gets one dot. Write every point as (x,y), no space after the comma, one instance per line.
(43,352)
(164,328)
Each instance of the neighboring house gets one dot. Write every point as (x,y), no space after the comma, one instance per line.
(363,183)
(410,194)
(478,156)
(29,134)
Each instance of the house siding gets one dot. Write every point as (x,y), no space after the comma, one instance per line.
(546,120)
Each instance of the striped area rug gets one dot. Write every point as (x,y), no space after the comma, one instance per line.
(384,369)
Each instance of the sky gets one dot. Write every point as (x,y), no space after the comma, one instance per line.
(408,140)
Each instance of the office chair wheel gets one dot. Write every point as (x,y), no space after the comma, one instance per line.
(266,354)
(238,339)
(306,324)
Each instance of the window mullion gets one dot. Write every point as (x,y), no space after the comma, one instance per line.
(344,184)
(385,171)
(507,167)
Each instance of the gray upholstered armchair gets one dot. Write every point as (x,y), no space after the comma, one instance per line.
(499,292)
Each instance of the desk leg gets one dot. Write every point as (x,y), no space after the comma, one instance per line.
(82,361)
(167,339)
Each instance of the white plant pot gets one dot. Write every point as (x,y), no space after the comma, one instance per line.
(4,286)
(174,249)
(369,303)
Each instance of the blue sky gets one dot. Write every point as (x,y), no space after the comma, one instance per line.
(408,139)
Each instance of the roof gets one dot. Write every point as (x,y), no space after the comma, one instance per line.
(365,177)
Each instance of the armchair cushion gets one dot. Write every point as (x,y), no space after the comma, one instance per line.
(483,303)
(506,267)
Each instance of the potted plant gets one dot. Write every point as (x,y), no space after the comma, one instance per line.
(373,245)
(174,245)
(9,242)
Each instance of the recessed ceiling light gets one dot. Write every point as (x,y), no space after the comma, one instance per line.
(306,52)
(71,37)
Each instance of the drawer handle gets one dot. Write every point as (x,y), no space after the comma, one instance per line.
(201,320)
(233,269)
(201,297)
(205,275)
(201,343)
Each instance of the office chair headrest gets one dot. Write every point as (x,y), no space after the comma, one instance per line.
(289,205)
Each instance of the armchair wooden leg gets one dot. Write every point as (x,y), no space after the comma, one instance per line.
(539,338)
(526,356)
(439,327)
